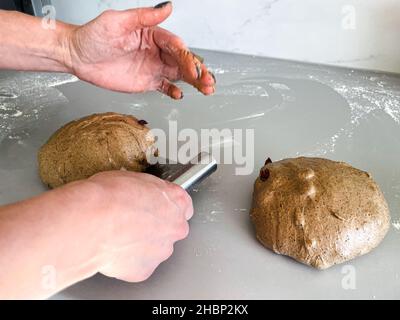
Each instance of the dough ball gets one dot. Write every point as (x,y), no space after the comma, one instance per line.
(100,142)
(317,211)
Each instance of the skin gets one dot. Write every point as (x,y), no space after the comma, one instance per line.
(121,224)
(123,57)
(119,50)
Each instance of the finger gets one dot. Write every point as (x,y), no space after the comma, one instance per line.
(171,73)
(189,211)
(167,59)
(171,69)
(170,90)
(182,199)
(119,174)
(192,70)
(147,17)
(176,48)
(207,78)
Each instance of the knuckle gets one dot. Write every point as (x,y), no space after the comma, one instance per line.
(140,17)
(108,13)
(183,230)
(169,250)
(92,186)
(177,42)
(96,176)
(164,85)
(189,212)
(188,200)
(181,194)
(144,275)
(185,199)
(102,174)
(183,202)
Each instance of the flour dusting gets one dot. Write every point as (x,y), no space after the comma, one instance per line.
(25,97)
(218,70)
(396,224)
(365,96)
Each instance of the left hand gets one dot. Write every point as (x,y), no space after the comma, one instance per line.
(126,51)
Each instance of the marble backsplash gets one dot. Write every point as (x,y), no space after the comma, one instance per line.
(354,33)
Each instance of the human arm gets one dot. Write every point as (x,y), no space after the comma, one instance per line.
(119,50)
(121,224)
(26,45)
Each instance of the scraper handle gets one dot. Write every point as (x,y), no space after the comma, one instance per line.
(202,166)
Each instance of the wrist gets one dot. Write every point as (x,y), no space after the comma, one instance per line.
(59,233)
(30,45)
(84,226)
(63,45)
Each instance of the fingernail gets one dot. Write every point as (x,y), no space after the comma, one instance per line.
(201,59)
(162,5)
(213,76)
(198,69)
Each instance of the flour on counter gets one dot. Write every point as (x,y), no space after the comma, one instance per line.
(209,214)
(218,71)
(396,224)
(279,86)
(136,106)
(25,97)
(365,96)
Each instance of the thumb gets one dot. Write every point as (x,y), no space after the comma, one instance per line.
(148,17)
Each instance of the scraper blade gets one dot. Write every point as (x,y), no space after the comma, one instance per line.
(185,175)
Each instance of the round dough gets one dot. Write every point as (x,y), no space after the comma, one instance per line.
(100,142)
(317,211)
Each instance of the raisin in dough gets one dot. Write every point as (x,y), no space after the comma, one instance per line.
(317,211)
(100,142)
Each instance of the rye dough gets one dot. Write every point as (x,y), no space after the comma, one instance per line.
(317,211)
(96,143)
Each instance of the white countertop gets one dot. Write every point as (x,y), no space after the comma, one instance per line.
(295,109)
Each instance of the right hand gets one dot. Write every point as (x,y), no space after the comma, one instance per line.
(143,217)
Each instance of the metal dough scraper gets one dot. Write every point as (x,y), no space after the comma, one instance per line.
(185,175)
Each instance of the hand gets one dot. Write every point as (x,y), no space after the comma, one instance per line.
(142,218)
(126,51)
(122,224)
